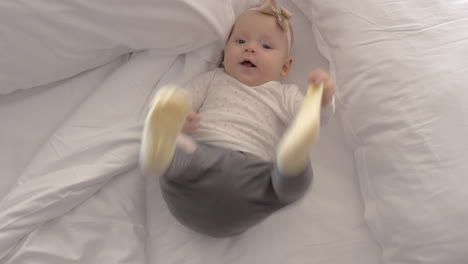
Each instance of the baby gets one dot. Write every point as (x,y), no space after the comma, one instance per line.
(224,174)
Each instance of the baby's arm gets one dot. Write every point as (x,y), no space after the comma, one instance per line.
(197,89)
(328,97)
(192,123)
(326,112)
(319,76)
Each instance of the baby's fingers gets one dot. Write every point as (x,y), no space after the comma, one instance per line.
(318,76)
(193,116)
(190,127)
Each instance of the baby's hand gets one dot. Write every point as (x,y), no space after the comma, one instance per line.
(318,76)
(192,123)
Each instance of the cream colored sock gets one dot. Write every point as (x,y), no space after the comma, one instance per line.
(162,127)
(293,153)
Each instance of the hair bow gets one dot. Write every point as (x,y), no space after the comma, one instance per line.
(282,14)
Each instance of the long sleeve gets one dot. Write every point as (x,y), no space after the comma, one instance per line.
(327,112)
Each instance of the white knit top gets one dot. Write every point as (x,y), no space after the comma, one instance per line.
(244,118)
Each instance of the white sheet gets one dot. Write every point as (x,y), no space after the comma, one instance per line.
(81,199)
(29,117)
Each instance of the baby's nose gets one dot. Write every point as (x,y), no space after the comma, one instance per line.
(250,49)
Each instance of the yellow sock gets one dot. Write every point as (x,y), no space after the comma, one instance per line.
(293,153)
(162,126)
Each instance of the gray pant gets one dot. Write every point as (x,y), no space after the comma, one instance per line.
(221,192)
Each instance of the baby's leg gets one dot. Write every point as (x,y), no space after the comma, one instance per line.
(293,155)
(291,187)
(162,130)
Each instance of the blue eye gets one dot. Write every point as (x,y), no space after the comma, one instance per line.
(240,41)
(265,46)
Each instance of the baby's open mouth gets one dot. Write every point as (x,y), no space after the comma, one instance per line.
(248,63)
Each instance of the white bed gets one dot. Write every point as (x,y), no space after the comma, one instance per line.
(70,191)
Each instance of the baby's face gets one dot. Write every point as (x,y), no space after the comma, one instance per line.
(257,50)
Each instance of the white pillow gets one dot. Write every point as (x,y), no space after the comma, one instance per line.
(48,40)
(402,71)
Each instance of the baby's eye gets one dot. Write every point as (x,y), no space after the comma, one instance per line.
(265,46)
(240,41)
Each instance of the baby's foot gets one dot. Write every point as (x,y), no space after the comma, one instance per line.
(163,124)
(294,149)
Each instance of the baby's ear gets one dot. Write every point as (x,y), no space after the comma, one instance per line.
(286,67)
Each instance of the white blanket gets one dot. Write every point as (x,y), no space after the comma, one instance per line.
(98,142)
